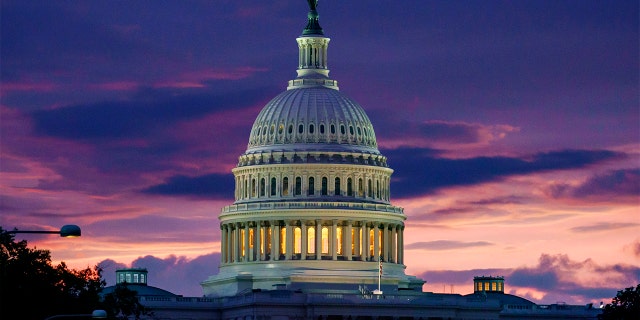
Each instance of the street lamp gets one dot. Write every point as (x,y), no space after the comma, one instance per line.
(96,314)
(70,230)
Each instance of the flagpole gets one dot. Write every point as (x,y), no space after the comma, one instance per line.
(379,276)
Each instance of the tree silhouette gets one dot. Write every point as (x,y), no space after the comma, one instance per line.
(27,277)
(123,303)
(625,305)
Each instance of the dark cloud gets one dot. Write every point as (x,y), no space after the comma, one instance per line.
(604,226)
(435,173)
(211,186)
(614,184)
(445,245)
(151,111)
(177,274)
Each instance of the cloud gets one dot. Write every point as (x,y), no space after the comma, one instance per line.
(440,134)
(445,245)
(614,184)
(436,173)
(150,110)
(176,274)
(604,226)
(211,186)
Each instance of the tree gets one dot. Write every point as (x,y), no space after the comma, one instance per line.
(27,277)
(123,303)
(625,305)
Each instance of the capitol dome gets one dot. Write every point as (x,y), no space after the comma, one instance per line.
(312,193)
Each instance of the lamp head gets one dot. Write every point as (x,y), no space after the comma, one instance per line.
(70,230)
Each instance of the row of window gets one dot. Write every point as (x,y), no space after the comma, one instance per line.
(267,133)
(252,188)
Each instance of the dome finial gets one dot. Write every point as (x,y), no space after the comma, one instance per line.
(313,26)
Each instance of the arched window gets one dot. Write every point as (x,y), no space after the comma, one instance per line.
(300,128)
(246,190)
(324,186)
(349,187)
(285,186)
(312,188)
(273,186)
(333,129)
(369,189)
(298,190)
(321,128)
(262,187)
(290,129)
(311,128)
(342,129)
(253,188)
(337,187)
(360,188)
(378,189)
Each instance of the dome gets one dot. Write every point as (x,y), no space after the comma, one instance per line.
(312,118)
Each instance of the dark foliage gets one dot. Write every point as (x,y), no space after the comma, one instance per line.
(123,303)
(624,306)
(28,278)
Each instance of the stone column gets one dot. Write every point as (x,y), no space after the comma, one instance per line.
(263,242)
(247,251)
(347,248)
(394,244)
(303,241)
(235,246)
(275,240)
(318,240)
(386,242)
(356,244)
(256,241)
(334,240)
(365,241)
(376,242)
(401,245)
(289,240)
(229,243)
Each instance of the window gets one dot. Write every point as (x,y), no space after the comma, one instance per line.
(300,128)
(273,186)
(360,188)
(351,130)
(311,190)
(311,240)
(339,239)
(333,129)
(369,189)
(342,129)
(246,190)
(297,240)
(298,190)
(337,187)
(283,240)
(324,186)
(290,129)
(253,188)
(136,278)
(325,240)
(280,128)
(285,186)
(262,187)
(311,128)
(128,276)
(349,187)
(322,129)
(142,278)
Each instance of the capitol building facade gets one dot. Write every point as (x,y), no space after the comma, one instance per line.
(312,233)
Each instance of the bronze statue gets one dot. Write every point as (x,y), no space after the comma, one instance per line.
(312,4)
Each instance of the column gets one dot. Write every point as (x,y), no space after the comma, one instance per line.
(263,241)
(365,241)
(229,244)
(223,240)
(356,244)
(256,241)
(275,240)
(303,241)
(376,242)
(318,240)
(394,244)
(334,240)
(385,239)
(401,245)
(288,246)
(247,252)
(235,248)
(347,251)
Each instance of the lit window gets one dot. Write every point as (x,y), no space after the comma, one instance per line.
(283,240)
(325,240)
(136,278)
(311,240)
(128,276)
(297,243)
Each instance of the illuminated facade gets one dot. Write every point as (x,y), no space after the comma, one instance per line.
(312,201)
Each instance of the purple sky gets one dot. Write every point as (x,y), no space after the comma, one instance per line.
(513,128)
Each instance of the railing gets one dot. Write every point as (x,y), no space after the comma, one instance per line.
(312,205)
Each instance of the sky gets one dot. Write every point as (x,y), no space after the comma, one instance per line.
(513,128)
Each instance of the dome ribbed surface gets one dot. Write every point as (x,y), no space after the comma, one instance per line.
(312,119)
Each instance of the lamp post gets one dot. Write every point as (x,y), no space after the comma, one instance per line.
(69,230)
(96,314)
